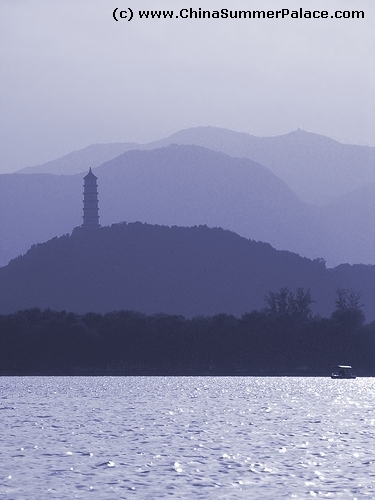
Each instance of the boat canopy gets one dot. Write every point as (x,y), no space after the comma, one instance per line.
(342,371)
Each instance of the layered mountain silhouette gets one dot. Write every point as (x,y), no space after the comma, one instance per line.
(349,222)
(81,160)
(318,169)
(175,185)
(186,186)
(150,268)
(35,208)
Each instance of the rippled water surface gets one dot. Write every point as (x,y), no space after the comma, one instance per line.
(186,437)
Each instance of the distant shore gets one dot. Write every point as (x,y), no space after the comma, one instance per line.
(264,343)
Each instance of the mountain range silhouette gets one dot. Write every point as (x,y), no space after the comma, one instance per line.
(190,185)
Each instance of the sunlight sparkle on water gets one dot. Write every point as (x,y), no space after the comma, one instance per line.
(236,438)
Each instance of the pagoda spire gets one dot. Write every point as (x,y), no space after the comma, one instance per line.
(90,201)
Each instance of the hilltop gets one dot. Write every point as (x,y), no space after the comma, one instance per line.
(174,270)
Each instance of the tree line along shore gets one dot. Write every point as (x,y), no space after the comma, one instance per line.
(283,338)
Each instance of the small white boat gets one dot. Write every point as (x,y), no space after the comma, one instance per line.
(342,371)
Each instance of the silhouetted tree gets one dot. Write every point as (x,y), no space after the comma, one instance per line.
(286,304)
(348,311)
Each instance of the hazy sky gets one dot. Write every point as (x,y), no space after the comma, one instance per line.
(72,76)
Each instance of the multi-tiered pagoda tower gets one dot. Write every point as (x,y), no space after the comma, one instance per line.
(90,202)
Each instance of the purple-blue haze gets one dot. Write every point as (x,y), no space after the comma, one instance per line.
(71,76)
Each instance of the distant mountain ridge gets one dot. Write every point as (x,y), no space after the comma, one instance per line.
(174,185)
(318,169)
(181,185)
(150,268)
(349,221)
(80,160)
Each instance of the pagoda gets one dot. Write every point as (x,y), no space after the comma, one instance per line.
(90,202)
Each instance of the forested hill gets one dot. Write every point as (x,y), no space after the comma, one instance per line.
(176,270)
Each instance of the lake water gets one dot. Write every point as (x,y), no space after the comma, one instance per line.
(186,437)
